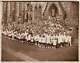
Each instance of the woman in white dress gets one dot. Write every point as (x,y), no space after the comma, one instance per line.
(60,39)
(43,40)
(23,36)
(68,40)
(69,37)
(29,38)
(36,39)
(5,32)
(40,38)
(53,40)
(48,40)
(13,35)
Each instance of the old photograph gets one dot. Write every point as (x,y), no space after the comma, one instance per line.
(40,31)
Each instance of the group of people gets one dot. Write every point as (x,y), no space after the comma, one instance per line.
(45,39)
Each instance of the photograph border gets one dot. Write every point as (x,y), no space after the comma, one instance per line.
(37,61)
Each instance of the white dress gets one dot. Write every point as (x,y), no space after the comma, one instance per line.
(19,36)
(48,39)
(36,38)
(43,39)
(40,39)
(9,33)
(32,39)
(60,39)
(68,39)
(4,32)
(29,37)
(22,35)
(53,40)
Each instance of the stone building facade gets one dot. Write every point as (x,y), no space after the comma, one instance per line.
(35,14)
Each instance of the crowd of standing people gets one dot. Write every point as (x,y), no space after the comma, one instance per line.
(60,39)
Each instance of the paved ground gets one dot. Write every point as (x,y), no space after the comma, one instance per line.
(14,50)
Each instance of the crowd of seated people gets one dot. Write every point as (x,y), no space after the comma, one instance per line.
(45,39)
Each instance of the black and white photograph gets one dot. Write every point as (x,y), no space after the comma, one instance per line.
(40,31)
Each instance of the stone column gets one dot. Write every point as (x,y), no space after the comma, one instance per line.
(17,11)
(4,18)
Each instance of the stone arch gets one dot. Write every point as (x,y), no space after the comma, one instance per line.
(59,9)
(52,7)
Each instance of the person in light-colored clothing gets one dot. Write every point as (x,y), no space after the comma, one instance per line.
(36,39)
(68,39)
(53,40)
(60,38)
(29,37)
(48,39)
